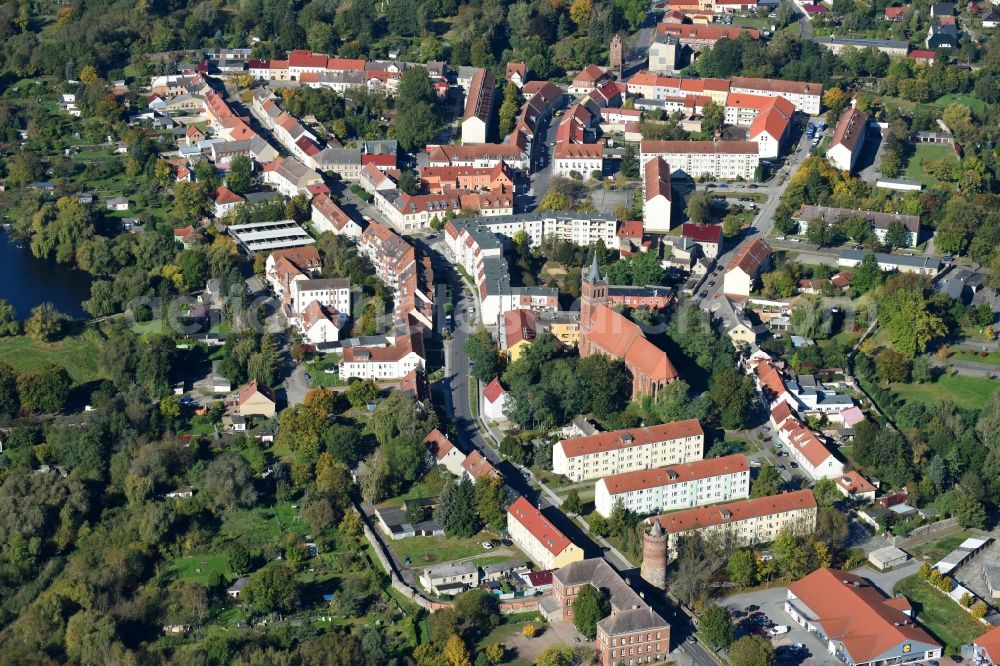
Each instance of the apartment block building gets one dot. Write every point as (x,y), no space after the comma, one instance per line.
(540,540)
(618,451)
(675,487)
(334,293)
(725,160)
(582,158)
(744,523)
(806,97)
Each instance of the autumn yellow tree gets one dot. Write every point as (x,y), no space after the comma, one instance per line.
(88,75)
(455,653)
(579,11)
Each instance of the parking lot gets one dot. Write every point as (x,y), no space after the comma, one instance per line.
(771,604)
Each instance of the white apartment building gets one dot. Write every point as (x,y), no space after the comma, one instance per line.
(676,487)
(581,158)
(807,97)
(332,293)
(724,160)
(848,139)
(579,228)
(619,451)
(744,523)
(380,363)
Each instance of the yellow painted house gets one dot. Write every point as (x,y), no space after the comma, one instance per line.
(256,400)
(519,332)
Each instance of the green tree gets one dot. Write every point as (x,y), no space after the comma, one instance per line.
(239,175)
(555,655)
(767,483)
(572,504)
(716,626)
(10,403)
(911,325)
(751,651)
(731,226)
(742,568)
(456,511)
(712,118)
(45,323)
(490,502)
(791,557)
(361,393)
(699,207)
(482,351)
(735,397)
(44,390)
(9,325)
(590,607)
(867,275)
(273,588)
(509,108)
(229,482)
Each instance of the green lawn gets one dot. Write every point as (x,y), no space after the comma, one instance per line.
(968,392)
(316,370)
(201,568)
(428,550)
(945,619)
(77,354)
(992,358)
(928,152)
(933,551)
(974,103)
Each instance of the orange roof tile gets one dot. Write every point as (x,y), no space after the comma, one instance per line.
(620,439)
(853,612)
(538,526)
(708,516)
(665,476)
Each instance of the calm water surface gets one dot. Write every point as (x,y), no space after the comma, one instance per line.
(26,281)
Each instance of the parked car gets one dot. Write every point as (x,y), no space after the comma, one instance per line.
(486,545)
(778,630)
(793,465)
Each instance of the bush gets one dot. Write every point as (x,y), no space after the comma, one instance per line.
(978,610)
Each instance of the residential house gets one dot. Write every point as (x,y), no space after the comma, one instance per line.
(450,579)
(856,487)
(540,540)
(255,399)
(494,401)
(444,452)
(328,216)
(225,201)
(745,268)
(708,236)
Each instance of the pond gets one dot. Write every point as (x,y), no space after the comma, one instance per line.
(26,281)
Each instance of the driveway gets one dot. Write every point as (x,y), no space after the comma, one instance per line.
(296,385)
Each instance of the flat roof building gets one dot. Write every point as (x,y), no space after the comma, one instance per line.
(269,236)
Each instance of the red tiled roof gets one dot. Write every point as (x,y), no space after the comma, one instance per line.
(751,258)
(477,466)
(540,578)
(518,325)
(630,229)
(252,389)
(224,195)
(493,391)
(781,413)
(665,476)
(855,613)
(304,258)
(806,442)
(921,54)
(849,128)
(621,338)
(854,483)
(657,179)
(990,642)
(702,233)
(707,516)
(589,74)
(619,439)
(895,13)
(438,443)
(538,526)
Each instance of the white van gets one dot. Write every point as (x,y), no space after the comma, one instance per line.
(778,630)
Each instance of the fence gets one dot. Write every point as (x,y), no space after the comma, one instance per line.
(925,533)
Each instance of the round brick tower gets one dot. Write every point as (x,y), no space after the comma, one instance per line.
(654,556)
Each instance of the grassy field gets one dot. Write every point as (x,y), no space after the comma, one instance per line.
(968,392)
(940,615)
(927,152)
(77,354)
(973,103)
(935,550)
(993,358)
(427,550)
(201,568)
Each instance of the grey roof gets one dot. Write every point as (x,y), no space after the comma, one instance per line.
(325,283)
(943,9)
(899,260)
(506,565)
(595,271)
(991,573)
(862,43)
(601,575)
(877,219)
(452,569)
(239,584)
(632,620)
